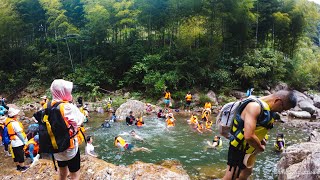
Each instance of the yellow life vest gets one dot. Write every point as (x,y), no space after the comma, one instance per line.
(208,124)
(167,95)
(194,119)
(11,132)
(80,135)
(207,105)
(36,146)
(188,97)
(237,131)
(121,141)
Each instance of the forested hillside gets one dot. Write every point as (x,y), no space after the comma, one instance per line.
(147,45)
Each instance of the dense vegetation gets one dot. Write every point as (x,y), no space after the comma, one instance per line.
(147,45)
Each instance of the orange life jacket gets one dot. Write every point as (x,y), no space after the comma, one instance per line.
(140,122)
(188,97)
(71,132)
(170,122)
(199,126)
(11,132)
(35,144)
(167,95)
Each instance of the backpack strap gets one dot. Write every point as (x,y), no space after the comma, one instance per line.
(230,111)
(45,120)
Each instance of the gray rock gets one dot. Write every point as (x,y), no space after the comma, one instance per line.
(316,101)
(238,94)
(305,103)
(138,108)
(213,98)
(314,136)
(280,86)
(301,161)
(196,98)
(300,114)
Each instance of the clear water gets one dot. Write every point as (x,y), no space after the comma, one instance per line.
(181,143)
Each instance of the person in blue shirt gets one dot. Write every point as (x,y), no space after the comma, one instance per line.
(249,92)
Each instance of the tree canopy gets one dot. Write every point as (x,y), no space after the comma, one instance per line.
(148,45)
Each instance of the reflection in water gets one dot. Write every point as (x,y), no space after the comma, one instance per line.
(180,143)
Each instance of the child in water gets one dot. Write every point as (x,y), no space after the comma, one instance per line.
(217,142)
(90,147)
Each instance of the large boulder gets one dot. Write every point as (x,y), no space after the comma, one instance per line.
(196,98)
(302,124)
(301,161)
(238,94)
(300,114)
(305,103)
(138,108)
(280,86)
(93,168)
(316,100)
(213,98)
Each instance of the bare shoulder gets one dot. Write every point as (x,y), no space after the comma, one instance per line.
(253,109)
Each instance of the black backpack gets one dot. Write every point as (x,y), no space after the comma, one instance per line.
(54,134)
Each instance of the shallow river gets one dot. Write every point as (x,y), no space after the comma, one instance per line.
(183,144)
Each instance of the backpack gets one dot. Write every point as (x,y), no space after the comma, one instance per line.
(54,136)
(227,114)
(5,135)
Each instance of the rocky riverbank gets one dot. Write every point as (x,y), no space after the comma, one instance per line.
(93,168)
(301,161)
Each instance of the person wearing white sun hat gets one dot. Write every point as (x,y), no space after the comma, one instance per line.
(18,138)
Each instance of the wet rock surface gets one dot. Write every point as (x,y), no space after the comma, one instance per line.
(301,161)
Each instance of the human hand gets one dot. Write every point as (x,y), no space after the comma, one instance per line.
(263,142)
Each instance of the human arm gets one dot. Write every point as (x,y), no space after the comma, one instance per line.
(18,130)
(31,149)
(73,115)
(251,113)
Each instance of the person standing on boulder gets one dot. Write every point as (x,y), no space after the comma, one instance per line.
(256,117)
(188,101)
(167,98)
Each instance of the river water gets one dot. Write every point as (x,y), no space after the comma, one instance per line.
(181,143)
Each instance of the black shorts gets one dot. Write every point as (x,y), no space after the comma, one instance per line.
(188,103)
(18,154)
(235,158)
(73,164)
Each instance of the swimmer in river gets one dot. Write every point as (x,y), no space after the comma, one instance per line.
(120,143)
(136,136)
